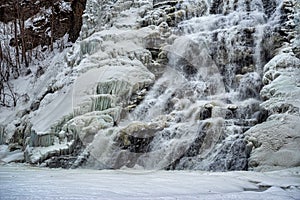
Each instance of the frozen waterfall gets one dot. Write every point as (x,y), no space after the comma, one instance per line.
(169,85)
(195,114)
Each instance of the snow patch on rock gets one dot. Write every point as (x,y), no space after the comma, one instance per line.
(276,143)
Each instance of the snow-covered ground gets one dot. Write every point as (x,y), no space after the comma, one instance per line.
(41,183)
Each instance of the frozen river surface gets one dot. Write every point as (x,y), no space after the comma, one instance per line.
(41,183)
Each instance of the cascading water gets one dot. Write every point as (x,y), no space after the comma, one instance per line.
(165,85)
(195,114)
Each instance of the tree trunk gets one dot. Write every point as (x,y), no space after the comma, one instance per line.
(52,25)
(15,69)
(20,15)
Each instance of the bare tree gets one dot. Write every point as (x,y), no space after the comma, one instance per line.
(52,25)
(20,16)
(8,97)
(1,52)
(15,70)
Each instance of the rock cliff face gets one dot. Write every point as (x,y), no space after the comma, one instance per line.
(209,85)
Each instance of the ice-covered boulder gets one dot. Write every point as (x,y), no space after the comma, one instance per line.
(9,154)
(282,95)
(275,143)
(86,126)
(278,64)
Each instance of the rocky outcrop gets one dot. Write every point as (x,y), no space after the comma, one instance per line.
(275,141)
(78,7)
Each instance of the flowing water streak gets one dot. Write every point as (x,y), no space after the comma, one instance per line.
(259,35)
